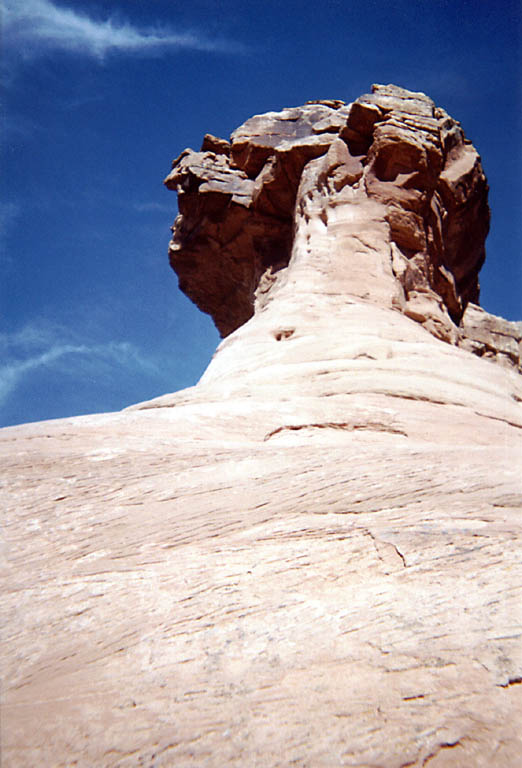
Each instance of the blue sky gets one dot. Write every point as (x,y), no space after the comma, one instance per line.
(98,98)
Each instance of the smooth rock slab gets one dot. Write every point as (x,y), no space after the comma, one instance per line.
(182,587)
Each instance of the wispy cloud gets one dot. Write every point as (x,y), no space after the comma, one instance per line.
(44,345)
(34,27)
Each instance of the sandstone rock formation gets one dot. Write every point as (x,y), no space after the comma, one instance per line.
(391,158)
(311,558)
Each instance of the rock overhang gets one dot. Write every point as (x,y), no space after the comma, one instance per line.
(240,203)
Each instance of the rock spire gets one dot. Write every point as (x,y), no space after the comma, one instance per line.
(390,179)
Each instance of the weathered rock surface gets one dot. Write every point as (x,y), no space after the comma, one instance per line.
(392,152)
(491,337)
(312,557)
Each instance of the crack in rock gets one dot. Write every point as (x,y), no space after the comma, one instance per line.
(349,427)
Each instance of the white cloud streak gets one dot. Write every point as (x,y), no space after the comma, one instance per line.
(45,346)
(33,27)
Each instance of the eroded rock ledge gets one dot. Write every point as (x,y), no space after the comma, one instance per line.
(391,156)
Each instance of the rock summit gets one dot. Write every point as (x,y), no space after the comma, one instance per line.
(389,181)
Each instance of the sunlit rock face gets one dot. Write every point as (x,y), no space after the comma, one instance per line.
(391,165)
(312,557)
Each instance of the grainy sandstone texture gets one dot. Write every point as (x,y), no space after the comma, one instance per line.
(311,558)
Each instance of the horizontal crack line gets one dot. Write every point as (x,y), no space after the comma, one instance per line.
(341,425)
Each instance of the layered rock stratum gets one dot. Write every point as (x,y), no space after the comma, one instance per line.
(312,557)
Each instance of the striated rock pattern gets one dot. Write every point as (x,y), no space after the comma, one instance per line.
(312,557)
